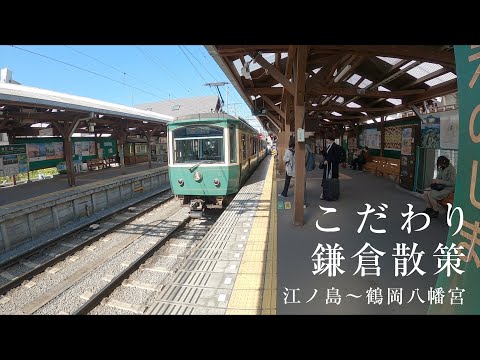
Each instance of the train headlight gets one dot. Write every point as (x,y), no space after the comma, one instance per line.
(216,182)
(197,176)
(180,182)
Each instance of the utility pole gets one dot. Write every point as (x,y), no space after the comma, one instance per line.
(235,108)
(226,90)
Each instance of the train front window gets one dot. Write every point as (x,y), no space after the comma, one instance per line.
(198,143)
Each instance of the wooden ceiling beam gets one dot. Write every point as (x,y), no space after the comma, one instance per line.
(346,109)
(343,91)
(292,51)
(355,63)
(39,117)
(326,71)
(273,106)
(435,91)
(275,119)
(277,60)
(346,60)
(232,50)
(392,74)
(343,117)
(425,78)
(273,72)
(413,52)
(264,91)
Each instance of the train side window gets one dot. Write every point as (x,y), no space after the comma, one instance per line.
(244,147)
(233,145)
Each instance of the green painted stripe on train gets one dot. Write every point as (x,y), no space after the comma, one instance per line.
(228,176)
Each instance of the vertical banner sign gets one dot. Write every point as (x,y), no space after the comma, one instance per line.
(467,189)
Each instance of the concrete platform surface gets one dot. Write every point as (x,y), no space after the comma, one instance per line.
(36,188)
(297,245)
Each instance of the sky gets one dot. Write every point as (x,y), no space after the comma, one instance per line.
(127,74)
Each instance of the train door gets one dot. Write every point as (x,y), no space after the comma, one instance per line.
(243,156)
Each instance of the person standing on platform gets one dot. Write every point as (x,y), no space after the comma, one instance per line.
(331,156)
(289,159)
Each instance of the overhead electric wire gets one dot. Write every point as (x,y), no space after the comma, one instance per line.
(114,68)
(241,101)
(89,71)
(95,73)
(213,77)
(234,95)
(197,69)
(163,67)
(199,73)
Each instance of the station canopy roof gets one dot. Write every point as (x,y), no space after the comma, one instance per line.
(345,84)
(24,110)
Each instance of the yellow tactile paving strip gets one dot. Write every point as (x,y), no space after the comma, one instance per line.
(255,288)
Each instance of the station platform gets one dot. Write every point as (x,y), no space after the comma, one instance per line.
(300,291)
(36,188)
(233,268)
(50,208)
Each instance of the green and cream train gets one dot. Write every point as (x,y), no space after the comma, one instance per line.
(210,157)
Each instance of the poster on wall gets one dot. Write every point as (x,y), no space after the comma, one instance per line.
(77,148)
(393,138)
(449,130)
(36,152)
(84,148)
(45,151)
(431,131)
(406,148)
(372,138)
(13,160)
(360,139)
(91,147)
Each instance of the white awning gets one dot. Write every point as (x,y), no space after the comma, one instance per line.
(31,96)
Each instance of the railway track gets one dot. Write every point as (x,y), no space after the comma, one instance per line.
(17,270)
(136,287)
(82,280)
(21,272)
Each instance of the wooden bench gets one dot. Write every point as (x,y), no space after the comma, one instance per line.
(384,166)
(390,167)
(448,200)
(109,161)
(96,163)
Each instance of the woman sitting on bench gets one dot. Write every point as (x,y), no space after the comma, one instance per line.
(441,187)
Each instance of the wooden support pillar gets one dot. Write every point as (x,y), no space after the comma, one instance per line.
(121,153)
(67,151)
(149,135)
(121,134)
(149,151)
(96,145)
(286,136)
(299,103)
(341,132)
(281,147)
(286,133)
(382,134)
(356,133)
(66,130)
